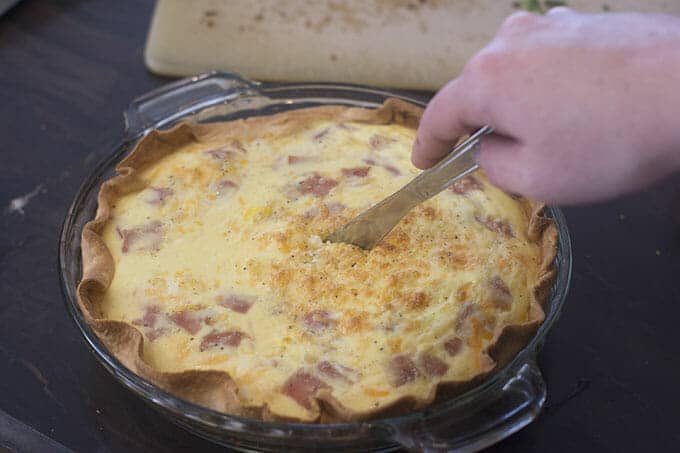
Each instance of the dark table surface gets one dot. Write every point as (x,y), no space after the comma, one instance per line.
(67,71)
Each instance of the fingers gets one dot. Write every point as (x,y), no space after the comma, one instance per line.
(445,119)
(501,159)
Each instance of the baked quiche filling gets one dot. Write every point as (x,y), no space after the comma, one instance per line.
(217,256)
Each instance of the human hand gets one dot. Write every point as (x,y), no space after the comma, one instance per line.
(584,107)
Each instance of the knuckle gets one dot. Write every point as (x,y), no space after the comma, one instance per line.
(558,10)
(485,64)
(483,76)
(519,21)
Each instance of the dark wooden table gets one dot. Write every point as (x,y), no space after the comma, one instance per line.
(67,71)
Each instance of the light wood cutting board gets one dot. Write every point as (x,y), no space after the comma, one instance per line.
(418,44)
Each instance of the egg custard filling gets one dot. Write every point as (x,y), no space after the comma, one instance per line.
(206,271)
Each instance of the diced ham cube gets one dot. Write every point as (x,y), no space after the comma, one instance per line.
(318,320)
(334,370)
(157,195)
(151,315)
(226,152)
(236,144)
(224,187)
(335,208)
(402,370)
(466,185)
(360,172)
(231,338)
(154,334)
(302,387)
(237,303)
(292,160)
(378,142)
(149,322)
(220,154)
(390,168)
(432,365)
(189,320)
(496,225)
(145,237)
(453,346)
(499,293)
(321,134)
(317,185)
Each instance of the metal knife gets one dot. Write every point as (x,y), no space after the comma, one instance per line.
(368,228)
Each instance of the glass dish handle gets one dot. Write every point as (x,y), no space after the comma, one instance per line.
(184,97)
(483,423)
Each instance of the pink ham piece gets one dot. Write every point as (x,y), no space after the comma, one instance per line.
(321,134)
(224,187)
(311,213)
(453,346)
(145,237)
(334,370)
(302,386)
(224,153)
(335,208)
(499,293)
(378,142)
(157,195)
(220,154)
(318,320)
(317,185)
(360,172)
(471,315)
(227,184)
(292,160)
(149,321)
(151,315)
(237,303)
(156,333)
(236,144)
(466,311)
(230,338)
(189,320)
(390,168)
(345,127)
(495,225)
(402,370)
(432,365)
(466,185)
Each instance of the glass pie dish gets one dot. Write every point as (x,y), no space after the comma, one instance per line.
(499,406)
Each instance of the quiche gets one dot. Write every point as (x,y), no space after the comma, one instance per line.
(206,272)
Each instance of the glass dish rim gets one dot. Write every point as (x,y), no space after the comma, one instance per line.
(181,407)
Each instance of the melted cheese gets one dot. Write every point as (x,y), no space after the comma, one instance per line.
(220,262)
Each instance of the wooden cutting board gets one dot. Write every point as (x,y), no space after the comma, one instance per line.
(418,44)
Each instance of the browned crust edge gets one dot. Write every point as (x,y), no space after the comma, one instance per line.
(216,389)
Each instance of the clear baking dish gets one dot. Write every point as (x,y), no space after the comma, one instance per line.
(501,405)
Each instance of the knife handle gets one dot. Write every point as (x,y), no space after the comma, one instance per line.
(461,161)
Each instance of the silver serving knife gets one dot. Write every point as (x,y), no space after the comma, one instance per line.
(368,228)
